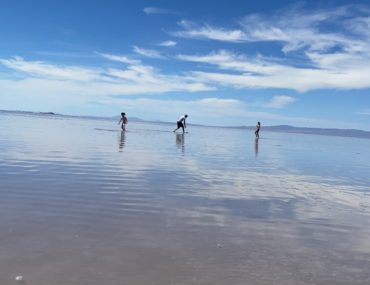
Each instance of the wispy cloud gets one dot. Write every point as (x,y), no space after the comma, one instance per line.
(195,31)
(41,69)
(167,43)
(365,112)
(299,29)
(230,61)
(120,58)
(212,106)
(148,52)
(280,101)
(217,102)
(156,10)
(332,46)
(34,77)
(294,28)
(260,72)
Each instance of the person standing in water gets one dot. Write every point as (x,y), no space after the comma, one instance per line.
(123,120)
(257,132)
(181,123)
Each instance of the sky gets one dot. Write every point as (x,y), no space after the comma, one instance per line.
(224,63)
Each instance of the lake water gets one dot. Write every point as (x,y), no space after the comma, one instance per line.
(83,203)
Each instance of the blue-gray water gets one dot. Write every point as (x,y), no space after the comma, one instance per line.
(82,203)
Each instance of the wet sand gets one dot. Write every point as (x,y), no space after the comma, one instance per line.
(83,203)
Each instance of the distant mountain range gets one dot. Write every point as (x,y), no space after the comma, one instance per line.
(316,131)
(280,128)
(65,116)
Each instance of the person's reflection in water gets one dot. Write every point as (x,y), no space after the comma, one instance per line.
(256,146)
(180,142)
(122,140)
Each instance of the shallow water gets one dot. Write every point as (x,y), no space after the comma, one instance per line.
(83,203)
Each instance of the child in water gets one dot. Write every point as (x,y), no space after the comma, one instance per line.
(123,120)
(257,132)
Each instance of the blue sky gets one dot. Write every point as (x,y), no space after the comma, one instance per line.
(221,62)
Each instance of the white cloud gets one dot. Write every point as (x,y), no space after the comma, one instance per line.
(217,102)
(156,10)
(333,71)
(328,57)
(365,112)
(295,29)
(36,77)
(41,69)
(299,29)
(119,58)
(231,61)
(280,101)
(167,43)
(359,25)
(191,30)
(148,52)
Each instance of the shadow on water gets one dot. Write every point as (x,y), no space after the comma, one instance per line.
(256,146)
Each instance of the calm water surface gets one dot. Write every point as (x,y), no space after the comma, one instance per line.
(83,203)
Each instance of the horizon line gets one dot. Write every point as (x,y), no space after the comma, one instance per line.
(268,127)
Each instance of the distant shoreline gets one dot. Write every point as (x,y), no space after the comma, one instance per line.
(280,128)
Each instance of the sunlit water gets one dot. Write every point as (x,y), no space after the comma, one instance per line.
(83,203)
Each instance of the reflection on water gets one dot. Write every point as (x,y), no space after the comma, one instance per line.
(256,146)
(75,211)
(180,142)
(122,140)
